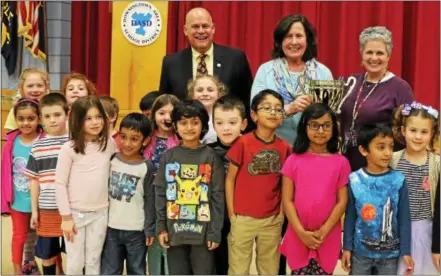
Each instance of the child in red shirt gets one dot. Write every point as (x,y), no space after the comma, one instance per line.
(253,189)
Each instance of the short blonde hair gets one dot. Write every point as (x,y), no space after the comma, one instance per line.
(33,70)
(221,88)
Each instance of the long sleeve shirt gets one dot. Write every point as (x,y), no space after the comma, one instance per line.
(131,196)
(82,179)
(189,195)
(377,220)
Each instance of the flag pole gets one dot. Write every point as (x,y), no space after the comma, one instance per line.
(45,34)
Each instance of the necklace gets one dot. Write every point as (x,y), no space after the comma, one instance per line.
(351,135)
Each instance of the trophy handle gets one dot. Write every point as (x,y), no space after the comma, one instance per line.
(351,88)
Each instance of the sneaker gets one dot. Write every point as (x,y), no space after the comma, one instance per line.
(30,268)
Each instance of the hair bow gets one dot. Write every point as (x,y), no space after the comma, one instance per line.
(416,105)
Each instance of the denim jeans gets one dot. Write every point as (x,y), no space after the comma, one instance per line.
(361,265)
(123,245)
(157,259)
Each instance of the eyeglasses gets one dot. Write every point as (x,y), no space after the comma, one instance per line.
(316,126)
(269,109)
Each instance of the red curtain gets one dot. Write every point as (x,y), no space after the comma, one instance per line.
(91,36)
(249,26)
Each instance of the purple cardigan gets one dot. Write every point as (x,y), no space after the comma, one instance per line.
(378,108)
(7,190)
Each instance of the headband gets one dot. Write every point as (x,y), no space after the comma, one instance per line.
(27,100)
(418,106)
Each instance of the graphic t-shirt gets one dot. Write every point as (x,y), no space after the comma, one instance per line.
(131,198)
(377,220)
(189,195)
(22,190)
(258,180)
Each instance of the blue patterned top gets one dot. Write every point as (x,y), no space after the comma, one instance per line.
(160,148)
(377,221)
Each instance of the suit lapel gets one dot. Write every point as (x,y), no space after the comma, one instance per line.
(187,66)
(218,61)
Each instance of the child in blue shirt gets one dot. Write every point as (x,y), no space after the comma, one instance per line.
(377,223)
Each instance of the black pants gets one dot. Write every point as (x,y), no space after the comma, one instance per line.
(123,245)
(190,259)
(282,266)
(221,253)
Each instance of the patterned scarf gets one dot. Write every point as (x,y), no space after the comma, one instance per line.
(286,83)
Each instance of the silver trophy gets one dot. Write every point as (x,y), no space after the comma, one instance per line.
(330,92)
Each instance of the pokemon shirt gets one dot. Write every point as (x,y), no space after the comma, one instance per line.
(189,195)
(377,220)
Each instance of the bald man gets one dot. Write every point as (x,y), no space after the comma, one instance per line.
(228,64)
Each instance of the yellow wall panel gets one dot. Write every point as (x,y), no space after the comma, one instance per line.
(135,70)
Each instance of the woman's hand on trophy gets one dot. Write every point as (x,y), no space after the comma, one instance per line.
(299,105)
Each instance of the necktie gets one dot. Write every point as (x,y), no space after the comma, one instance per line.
(202,66)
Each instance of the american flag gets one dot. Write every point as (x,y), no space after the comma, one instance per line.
(31,27)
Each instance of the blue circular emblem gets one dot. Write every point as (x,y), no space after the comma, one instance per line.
(141,23)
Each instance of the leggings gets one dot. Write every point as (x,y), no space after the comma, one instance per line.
(23,238)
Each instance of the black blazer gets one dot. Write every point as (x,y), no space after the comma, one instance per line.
(229,65)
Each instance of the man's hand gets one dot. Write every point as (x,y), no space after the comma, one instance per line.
(409,263)
(346,260)
(163,240)
(149,241)
(69,229)
(212,245)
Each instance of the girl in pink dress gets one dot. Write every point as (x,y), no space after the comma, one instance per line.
(314,194)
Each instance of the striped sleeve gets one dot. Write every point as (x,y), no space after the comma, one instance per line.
(31,170)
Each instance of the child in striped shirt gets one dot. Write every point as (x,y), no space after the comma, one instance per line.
(418,126)
(41,170)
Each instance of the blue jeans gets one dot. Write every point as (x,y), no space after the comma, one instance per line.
(123,245)
(361,265)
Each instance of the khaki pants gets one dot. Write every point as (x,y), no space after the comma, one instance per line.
(266,232)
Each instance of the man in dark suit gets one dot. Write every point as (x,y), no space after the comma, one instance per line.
(204,57)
